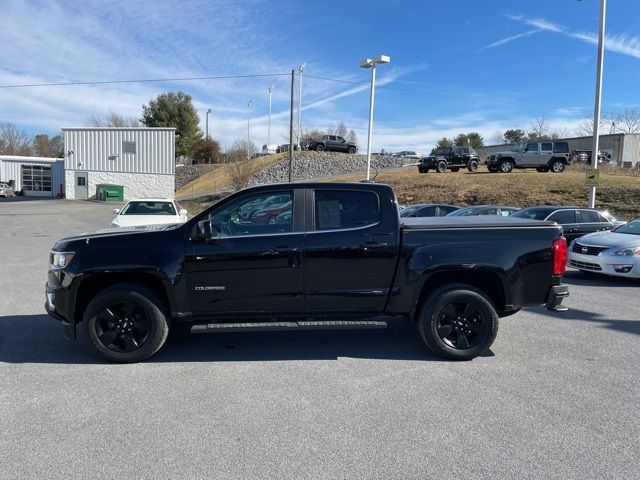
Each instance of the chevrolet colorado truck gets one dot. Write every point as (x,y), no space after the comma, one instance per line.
(341,257)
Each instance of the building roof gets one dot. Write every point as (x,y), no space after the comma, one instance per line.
(19,158)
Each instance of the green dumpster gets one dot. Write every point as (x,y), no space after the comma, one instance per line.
(113,193)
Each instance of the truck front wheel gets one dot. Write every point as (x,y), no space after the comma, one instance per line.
(506,166)
(458,322)
(441,166)
(125,323)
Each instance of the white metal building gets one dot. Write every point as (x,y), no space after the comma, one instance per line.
(35,176)
(141,159)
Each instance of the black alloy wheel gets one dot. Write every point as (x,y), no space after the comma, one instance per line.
(319,148)
(123,326)
(352,150)
(462,325)
(472,165)
(441,166)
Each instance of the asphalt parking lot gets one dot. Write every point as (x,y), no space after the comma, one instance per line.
(558,397)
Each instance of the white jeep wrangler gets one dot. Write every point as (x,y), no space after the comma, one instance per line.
(543,156)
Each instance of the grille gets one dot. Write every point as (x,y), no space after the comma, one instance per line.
(577,248)
(585,266)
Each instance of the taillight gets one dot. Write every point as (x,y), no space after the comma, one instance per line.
(559,249)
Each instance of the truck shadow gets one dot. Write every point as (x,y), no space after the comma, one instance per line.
(39,339)
(626,326)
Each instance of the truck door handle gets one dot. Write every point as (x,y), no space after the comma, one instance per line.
(373,246)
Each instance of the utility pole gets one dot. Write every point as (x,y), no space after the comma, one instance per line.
(249,127)
(596,109)
(269,123)
(293,80)
(207,124)
(301,69)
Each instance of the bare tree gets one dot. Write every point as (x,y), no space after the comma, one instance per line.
(14,141)
(112,119)
(539,129)
(352,137)
(626,121)
(586,127)
(241,145)
(240,173)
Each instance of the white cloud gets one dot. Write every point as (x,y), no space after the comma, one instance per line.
(623,44)
(506,40)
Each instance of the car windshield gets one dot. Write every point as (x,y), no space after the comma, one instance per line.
(531,213)
(463,212)
(608,216)
(442,151)
(148,208)
(518,147)
(631,228)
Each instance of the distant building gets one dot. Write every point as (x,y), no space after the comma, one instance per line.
(141,159)
(34,176)
(624,148)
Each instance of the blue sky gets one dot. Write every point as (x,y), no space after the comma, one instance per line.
(456,66)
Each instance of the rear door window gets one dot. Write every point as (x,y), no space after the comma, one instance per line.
(546,146)
(563,217)
(341,209)
(561,147)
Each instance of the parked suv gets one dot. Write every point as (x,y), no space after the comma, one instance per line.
(6,190)
(543,156)
(332,143)
(450,158)
(575,221)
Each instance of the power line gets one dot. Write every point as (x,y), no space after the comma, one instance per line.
(144,80)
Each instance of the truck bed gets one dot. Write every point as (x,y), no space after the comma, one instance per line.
(479,221)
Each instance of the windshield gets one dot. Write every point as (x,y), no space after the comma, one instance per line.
(148,208)
(631,228)
(531,214)
(518,147)
(608,216)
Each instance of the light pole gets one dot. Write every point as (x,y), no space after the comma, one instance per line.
(207,125)
(371,63)
(596,108)
(249,105)
(301,69)
(269,122)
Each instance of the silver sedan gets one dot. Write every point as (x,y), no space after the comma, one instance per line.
(616,252)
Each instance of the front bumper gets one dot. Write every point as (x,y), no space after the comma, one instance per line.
(556,294)
(623,266)
(55,305)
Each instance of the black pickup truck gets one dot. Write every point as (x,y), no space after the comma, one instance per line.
(334,256)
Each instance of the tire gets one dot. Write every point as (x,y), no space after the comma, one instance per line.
(423,170)
(472,166)
(455,169)
(506,166)
(542,169)
(492,169)
(441,166)
(448,332)
(319,148)
(131,317)
(352,150)
(557,166)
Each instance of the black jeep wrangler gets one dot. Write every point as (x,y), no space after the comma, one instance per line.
(450,158)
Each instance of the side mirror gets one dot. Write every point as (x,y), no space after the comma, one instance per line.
(205,232)
(182,212)
(116,211)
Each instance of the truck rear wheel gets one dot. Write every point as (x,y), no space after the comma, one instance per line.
(557,166)
(352,150)
(441,166)
(472,166)
(125,323)
(458,321)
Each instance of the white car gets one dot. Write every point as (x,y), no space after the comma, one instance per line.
(149,211)
(615,252)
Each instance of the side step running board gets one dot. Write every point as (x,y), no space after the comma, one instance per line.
(300,325)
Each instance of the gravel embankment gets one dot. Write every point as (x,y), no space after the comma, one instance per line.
(308,165)
(187,173)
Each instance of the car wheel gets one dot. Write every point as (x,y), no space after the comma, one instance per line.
(472,166)
(352,150)
(458,322)
(423,170)
(455,169)
(441,166)
(319,148)
(506,166)
(125,323)
(557,166)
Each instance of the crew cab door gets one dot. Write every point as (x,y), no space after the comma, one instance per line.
(349,251)
(530,155)
(253,262)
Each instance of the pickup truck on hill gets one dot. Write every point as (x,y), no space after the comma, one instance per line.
(341,257)
(332,143)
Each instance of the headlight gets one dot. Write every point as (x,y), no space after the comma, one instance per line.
(59,260)
(626,252)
